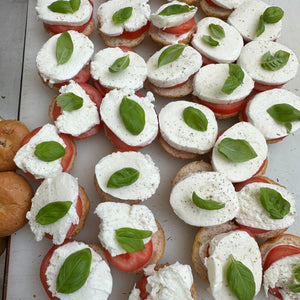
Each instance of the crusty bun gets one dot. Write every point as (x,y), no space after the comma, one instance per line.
(15,201)
(214,11)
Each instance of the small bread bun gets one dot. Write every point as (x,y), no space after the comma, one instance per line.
(215,11)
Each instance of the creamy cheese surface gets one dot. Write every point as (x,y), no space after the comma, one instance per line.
(27,161)
(143,188)
(229,4)
(98,284)
(208,186)
(115,215)
(110,114)
(179,135)
(132,77)
(140,16)
(79,17)
(178,71)
(50,71)
(240,171)
(208,83)
(229,47)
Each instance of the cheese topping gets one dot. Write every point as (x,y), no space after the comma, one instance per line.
(253,214)
(63,187)
(79,17)
(250,60)
(229,4)
(50,71)
(229,47)
(98,284)
(208,83)
(240,171)
(179,135)
(132,77)
(207,186)
(80,120)
(140,15)
(143,188)
(245,18)
(244,248)
(110,114)
(257,114)
(178,71)
(27,161)
(118,215)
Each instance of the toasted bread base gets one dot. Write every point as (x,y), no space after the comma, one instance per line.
(213,11)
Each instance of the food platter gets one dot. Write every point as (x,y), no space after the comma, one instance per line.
(25,253)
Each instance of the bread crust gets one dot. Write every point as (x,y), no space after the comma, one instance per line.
(213,11)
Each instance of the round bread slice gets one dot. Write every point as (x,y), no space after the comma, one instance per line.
(215,11)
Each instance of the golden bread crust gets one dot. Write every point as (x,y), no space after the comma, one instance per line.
(213,11)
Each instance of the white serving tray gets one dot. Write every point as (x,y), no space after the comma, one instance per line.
(26,254)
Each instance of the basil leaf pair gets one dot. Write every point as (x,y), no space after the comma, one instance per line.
(131,239)
(176,9)
(274,62)
(65,7)
(49,151)
(295,288)
(123,177)
(170,54)
(122,15)
(195,118)
(69,101)
(206,204)
(235,78)
(120,64)
(64,48)
(217,32)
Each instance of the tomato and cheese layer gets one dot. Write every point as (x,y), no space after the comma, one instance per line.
(245,18)
(27,161)
(243,248)
(139,17)
(99,282)
(175,72)
(115,215)
(143,188)
(77,18)
(228,4)
(207,186)
(241,171)
(110,114)
(229,47)
(132,77)
(51,71)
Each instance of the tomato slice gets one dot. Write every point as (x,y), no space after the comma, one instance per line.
(129,262)
(260,87)
(253,230)
(209,2)
(174,86)
(132,35)
(240,185)
(142,287)
(182,28)
(206,60)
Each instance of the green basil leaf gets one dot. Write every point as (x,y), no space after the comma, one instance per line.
(123,177)
(49,151)
(273,14)
(261,26)
(276,62)
(295,288)
(69,101)
(133,233)
(274,203)
(170,54)
(297,273)
(63,7)
(122,15)
(236,71)
(216,31)
(74,271)
(176,9)
(207,39)
(240,279)
(236,150)
(52,212)
(120,64)
(195,118)
(133,115)
(288,127)
(75,4)
(235,79)
(284,113)
(64,48)
(206,204)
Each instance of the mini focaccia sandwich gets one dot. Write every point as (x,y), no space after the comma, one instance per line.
(123,22)
(281,263)
(65,56)
(118,68)
(187,129)
(76,270)
(173,22)
(257,20)
(217,41)
(240,152)
(75,111)
(130,120)
(165,281)
(171,70)
(126,176)
(276,113)
(269,64)
(130,236)
(223,88)
(228,258)
(44,153)
(267,209)
(59,16)
(58,208)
